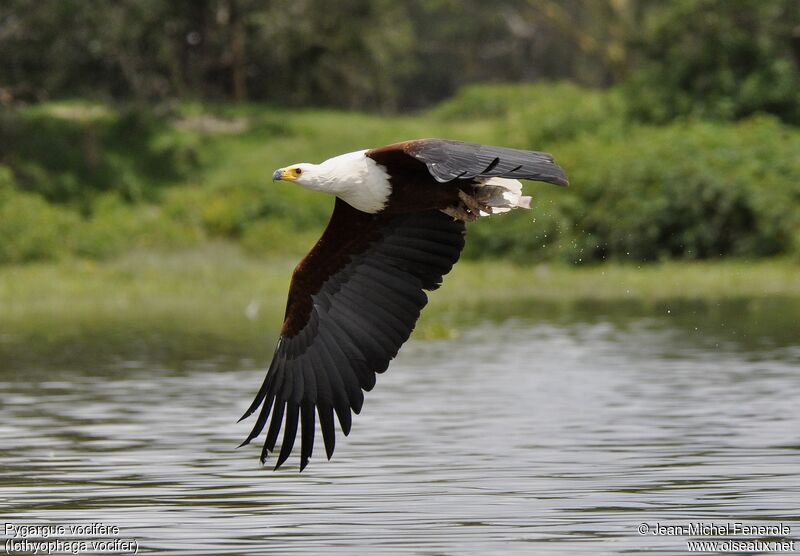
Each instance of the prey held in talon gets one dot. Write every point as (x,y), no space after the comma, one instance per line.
(397,228)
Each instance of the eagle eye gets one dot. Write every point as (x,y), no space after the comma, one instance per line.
(298,171)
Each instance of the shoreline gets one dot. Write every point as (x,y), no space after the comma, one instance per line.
(219,280)
(218,303)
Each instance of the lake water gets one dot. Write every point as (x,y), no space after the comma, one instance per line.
(556,433)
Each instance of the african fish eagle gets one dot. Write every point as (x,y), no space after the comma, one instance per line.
(397,228)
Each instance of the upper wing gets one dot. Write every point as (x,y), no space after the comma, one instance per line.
(353,301)
(448,160)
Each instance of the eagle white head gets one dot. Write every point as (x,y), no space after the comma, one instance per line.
(353,177)
(303,173)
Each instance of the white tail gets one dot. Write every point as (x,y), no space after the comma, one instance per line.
(502,195)
(493,196)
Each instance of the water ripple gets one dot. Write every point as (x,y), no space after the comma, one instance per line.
(516,438)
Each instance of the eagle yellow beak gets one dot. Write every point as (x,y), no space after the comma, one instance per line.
(285,174)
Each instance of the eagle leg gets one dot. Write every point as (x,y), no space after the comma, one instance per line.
(474,205)
(460,212)
(468,209)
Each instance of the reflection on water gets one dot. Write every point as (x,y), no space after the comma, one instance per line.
(556,433)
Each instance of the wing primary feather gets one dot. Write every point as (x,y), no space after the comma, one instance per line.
(406,285)
(345,419)
(334,389)
(371,329)
(258,399)
(366,376)
(275,383)
(306,433)
(262,392)
(288,381)
(289,433)
(274,429)
(393,327)
(375,352)
(409,290)
(298,380)
(324,393)
(309,380)
(378,362)
(325,412)
(344,342)
(401,305)
(338,362)
(262,419)
(341,402)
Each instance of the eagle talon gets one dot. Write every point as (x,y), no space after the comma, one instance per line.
(474,206)
(461,212)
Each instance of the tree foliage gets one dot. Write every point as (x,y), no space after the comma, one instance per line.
(724,59)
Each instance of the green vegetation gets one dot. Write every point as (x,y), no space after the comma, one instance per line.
(716,59)
(221,280)
(176,305)
(677,121)
(724,59)
(88,181)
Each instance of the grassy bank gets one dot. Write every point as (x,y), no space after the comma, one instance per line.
(219,282)
(219,302)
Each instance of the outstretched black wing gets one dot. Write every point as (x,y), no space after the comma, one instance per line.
(449,160)
(353,301)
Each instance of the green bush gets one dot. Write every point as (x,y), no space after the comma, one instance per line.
(539,114)
(684,191)
(229,211)
(70,152)
(687,190)
(116,227)
(30,228)
(7,181)
(278,236)
(716,58)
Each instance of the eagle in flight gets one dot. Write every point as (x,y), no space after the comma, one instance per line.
(397,228)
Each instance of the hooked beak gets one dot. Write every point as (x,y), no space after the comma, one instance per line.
(277,175)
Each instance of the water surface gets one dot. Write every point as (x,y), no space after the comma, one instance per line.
(555,433)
